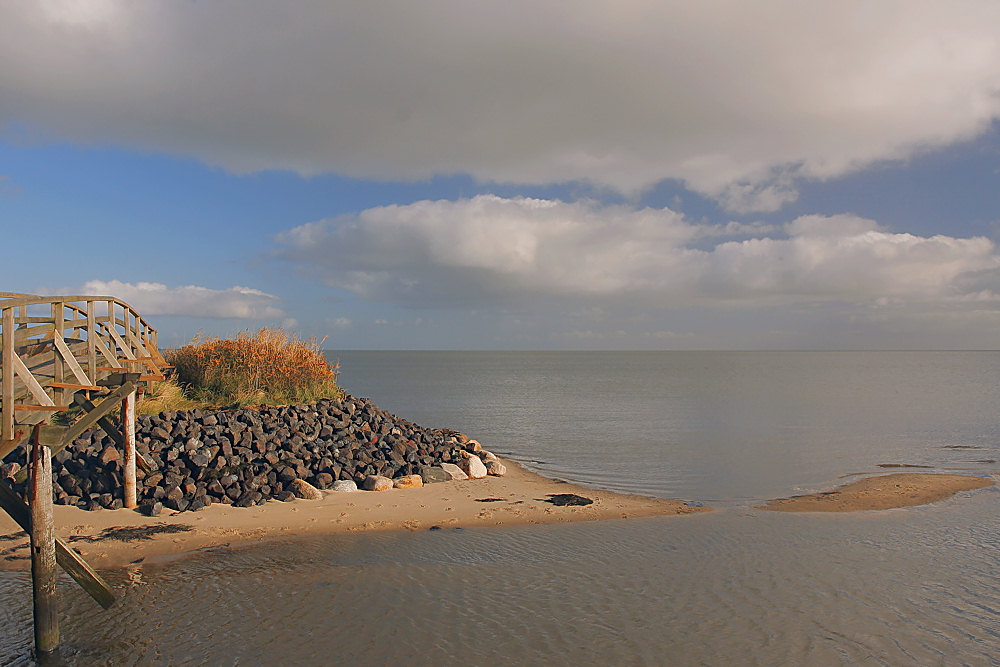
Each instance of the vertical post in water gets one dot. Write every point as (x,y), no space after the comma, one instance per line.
(128,434)
(43,549)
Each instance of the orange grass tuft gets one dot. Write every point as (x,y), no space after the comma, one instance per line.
(271,366)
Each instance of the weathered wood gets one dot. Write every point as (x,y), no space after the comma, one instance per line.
(112,359)
(43,550)
(78,387)
(7,446)
(7,363)
(110,428)
(29,380)
(128,434)
(93,416)
(59,375)
(70,359)
(40,408)
(122,345)
(68,559)
(91,341)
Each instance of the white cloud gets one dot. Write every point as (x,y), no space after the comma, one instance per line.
(339,323)
(739,99)
(189,300)
(494,251)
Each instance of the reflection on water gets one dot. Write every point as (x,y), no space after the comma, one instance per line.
(741,586)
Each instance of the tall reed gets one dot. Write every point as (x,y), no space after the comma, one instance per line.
(271,366)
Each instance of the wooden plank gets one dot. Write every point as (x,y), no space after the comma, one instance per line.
(125,348)
(7,364)
(40,408)
(152,378)
(49,435)
(78,387)
(58,316)
(74,365)
(112,359)
(43,551)
(69,560)
(91,341)
(29,380)
(155,353)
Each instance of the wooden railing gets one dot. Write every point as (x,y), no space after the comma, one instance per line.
(56,346)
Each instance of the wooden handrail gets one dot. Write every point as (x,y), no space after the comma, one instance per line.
(65,346)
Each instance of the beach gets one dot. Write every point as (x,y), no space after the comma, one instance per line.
(115,538)
(118,538)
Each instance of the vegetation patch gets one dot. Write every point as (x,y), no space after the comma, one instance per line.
(270,367)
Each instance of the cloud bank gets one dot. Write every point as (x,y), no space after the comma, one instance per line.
(739,100)
(190,300)
(492,251)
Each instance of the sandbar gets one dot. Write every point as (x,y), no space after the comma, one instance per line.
(117,538)
(880,493)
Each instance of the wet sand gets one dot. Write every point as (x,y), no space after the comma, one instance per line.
(880,493)
(114,538)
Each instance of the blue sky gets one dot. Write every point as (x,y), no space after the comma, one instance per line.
(455,176)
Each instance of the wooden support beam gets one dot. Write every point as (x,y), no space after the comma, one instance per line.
(128,435)
(125,347)
(40,408)
(78,387)
(59,375)
(93,416)
(112,359)
(7,365)
(91,341)
(69,560)
(43,550)
(110,427)
(29,380)
(70,359)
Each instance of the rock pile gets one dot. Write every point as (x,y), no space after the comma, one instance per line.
(244,456)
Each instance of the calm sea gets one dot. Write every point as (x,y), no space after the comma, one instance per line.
(911,586)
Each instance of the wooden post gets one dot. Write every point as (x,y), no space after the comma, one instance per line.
(128,434)
(59,366)
(43,549)
(7,422)
(91,343)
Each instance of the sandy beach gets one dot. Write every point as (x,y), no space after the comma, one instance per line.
(114,538)
(881,492)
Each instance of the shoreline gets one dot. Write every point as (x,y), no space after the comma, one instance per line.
(118,538)
(111,539)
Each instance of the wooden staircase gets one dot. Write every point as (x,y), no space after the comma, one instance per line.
(61,349)
(93,353)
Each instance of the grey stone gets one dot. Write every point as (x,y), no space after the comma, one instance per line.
(453,471)
(474,468)
(345,486)
(496,469)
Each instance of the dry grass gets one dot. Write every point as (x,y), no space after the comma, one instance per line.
(268,367)
(163,396)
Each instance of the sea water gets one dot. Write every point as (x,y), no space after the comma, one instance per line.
(739,586)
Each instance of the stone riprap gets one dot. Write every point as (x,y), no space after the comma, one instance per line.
(246,456)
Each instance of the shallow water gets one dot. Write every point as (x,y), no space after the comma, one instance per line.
(740,586)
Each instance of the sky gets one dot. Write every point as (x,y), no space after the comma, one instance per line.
(583,175)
